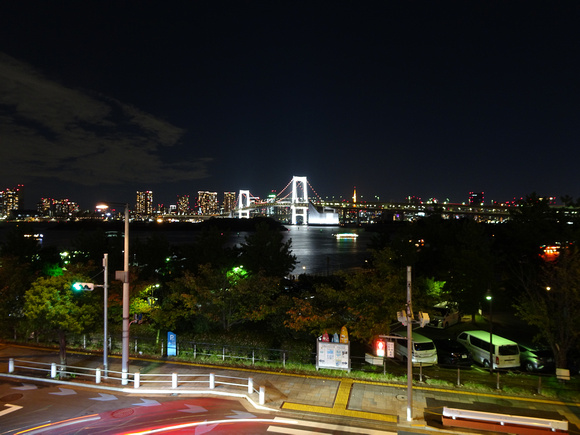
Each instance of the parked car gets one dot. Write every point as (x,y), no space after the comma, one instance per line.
(536,358)
(451,353)
(423,352)
(505,353)
(443,315)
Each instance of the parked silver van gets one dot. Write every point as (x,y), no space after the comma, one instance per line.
(424,350)
(505,353)
(443,315)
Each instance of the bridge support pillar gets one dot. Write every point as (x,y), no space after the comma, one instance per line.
(299,199)
(244,204)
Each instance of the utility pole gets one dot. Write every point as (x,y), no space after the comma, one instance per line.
(125,344)
(105,314)
(409,348)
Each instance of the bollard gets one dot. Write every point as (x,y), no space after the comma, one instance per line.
(262,395)
(498,381)
(11,365)
(53,370)
(421,372)
(137,380)
(124,379)
(194,351)
(539,385)
(458,377)
(98,376)
(250,385)
(212,381)
(174,380)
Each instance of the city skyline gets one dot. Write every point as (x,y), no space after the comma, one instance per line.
(209,202)
(432,100)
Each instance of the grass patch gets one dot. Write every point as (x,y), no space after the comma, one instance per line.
(439,383)
(477,387)
(517,391)
(561,394)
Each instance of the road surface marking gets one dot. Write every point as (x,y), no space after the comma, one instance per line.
(331,427)
(64,392)
(104,397)
(11,408)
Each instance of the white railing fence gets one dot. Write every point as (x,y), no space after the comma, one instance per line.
(165,381)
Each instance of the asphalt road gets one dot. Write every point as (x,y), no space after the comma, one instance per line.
(39,408)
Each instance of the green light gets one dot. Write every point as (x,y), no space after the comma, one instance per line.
(77,286)
(237,272)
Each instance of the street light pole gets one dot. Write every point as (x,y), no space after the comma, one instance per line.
(489,297)
(409,348)
(123,275)
(125,344)
(105,316)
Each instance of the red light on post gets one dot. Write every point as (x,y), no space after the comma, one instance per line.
(380,348)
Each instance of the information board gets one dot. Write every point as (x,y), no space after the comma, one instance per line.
(331,355)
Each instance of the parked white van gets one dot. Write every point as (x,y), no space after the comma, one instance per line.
(505,353)
(424,350)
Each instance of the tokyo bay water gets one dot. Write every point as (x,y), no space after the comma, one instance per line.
(316,248)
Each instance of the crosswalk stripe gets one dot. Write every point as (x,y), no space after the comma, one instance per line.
(335,427)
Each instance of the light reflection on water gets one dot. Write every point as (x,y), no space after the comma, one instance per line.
(317,250)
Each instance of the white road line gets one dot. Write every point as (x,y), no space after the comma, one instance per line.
(147,402)
(10,409)
(64,392)
(26,387)
(335,427)
(104,397)
(288,430)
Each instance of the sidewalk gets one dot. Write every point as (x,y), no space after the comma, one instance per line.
(371,403)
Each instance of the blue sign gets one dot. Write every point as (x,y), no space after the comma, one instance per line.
(171,344)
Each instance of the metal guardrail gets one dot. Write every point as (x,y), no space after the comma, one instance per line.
(167,381)
(501,422)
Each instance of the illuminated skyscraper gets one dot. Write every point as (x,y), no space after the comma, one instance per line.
(144,205)
(57,207)
(182,204)
(44,207)
(208,203)
(229,201)
(10,200)
(64,207)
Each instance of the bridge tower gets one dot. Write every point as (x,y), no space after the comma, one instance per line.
(243,204)
(300,201)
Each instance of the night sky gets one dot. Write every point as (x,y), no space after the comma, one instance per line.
(100,99)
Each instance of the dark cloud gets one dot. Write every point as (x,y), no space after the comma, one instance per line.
(50,131)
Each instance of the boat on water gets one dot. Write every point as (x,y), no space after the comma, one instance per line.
(346,236)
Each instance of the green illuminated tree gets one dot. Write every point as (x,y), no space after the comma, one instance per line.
(223,298)
(52,306)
